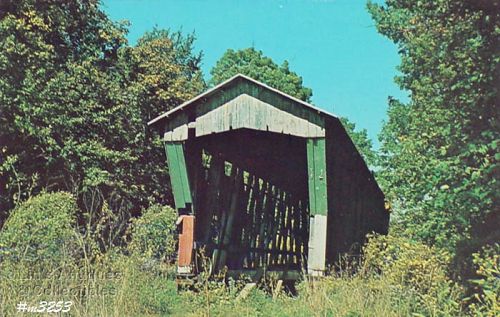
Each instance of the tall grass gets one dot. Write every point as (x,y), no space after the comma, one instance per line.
(397,277)
(119,285)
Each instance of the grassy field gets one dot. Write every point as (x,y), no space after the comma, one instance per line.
(129,290)
(45,261)
(119,285)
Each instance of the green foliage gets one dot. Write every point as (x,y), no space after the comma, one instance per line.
(486,293)
(41,230)
(162,73)
(40,41)
(254,64)
(415,269)
(154,233)
(76,99)
(439,152)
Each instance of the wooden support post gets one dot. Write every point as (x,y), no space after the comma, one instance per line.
(178,175)
(186,241)
(277,289)
(318,206)
(226,232)
(183,203)
(215,175)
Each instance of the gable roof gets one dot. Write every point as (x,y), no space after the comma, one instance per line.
(239,78)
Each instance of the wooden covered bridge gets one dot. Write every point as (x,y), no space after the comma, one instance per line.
(263,181)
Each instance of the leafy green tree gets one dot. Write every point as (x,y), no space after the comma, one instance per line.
(76,99)
(163,72)
(39,41)
(256,65)
(439,152)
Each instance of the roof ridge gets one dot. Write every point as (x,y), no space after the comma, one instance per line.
(226,82)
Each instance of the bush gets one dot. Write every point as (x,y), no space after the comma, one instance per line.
(42,229)
(415,269)
(487,286)
(153,234)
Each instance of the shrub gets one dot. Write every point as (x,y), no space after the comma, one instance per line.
(487,286)
(153,234)
(415,269)
(41,229)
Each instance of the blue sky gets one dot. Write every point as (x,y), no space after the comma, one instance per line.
(332,44)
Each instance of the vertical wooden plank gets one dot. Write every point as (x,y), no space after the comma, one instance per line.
(281,210)
(256,221)
(311,172)
(215,174)
(186,241)
(318,206)
(225,195)
(289,235)
(269,220)
(240,220)
(263,224)
(178,174)
(226,232)
(316,161)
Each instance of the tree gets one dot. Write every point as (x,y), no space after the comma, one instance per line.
(41,230)
(40,41)
(163,72)
(76,100)
(439,152)
(254,64)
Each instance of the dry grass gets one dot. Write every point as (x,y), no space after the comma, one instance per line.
(120,287)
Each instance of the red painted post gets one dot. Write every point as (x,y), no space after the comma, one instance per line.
(186,244)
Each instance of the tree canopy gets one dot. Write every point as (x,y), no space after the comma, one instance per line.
(75,100)
(253,63)
(440,161)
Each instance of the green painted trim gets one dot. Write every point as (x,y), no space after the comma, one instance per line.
(178,174)
(316,167)
(310,173)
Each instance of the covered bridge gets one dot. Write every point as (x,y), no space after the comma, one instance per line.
(263,181)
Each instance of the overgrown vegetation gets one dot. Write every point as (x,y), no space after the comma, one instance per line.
(83,181)
(399,277)
(41,230)
(439,153)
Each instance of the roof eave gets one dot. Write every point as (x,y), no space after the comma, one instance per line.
(226,82)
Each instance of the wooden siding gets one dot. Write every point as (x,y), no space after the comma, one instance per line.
(355,202)
(249,112)
(254,88)
(177,123)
